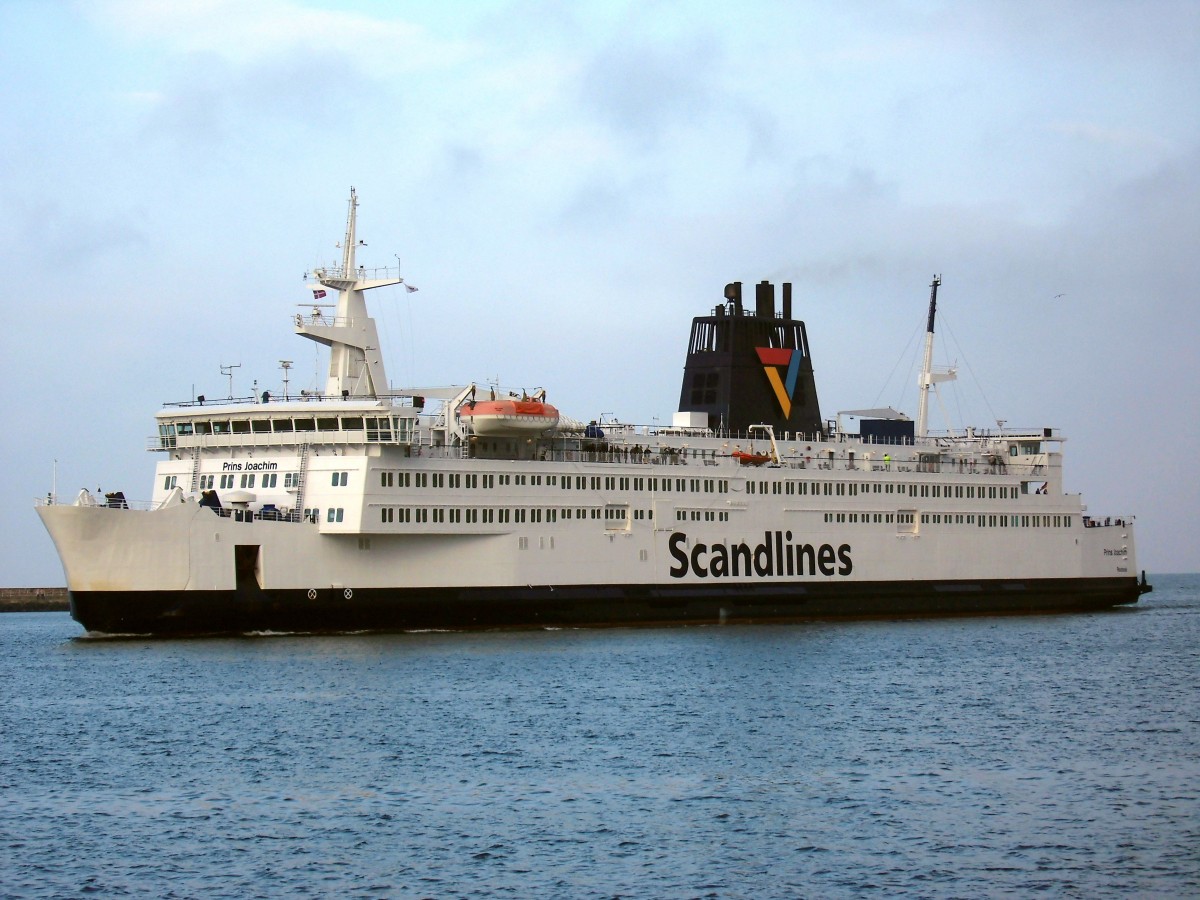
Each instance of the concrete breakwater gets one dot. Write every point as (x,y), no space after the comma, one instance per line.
(44,599)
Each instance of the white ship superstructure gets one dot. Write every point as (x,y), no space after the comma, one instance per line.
(367,507)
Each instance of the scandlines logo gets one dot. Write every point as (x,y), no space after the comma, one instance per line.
(774,360)
(775,557)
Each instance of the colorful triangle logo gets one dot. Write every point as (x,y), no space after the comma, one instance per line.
(776,360)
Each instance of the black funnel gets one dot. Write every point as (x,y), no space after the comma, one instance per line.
(748,368)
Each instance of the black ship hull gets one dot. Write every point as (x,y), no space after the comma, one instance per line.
(396,609)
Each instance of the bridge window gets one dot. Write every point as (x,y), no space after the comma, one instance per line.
(379,429)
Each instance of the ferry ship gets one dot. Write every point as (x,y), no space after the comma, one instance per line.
(363,507)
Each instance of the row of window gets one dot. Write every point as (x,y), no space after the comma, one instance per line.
(620,514)
(447,479)
(269,480)
(455,481)
(610,514)
(505,515)
(698,515)
(377,428)
(981,519)
(656,484)
(230,480)
(854,489)
(233,479)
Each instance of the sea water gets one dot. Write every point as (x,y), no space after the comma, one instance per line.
(991,756)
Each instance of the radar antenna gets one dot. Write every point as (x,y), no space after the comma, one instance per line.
(227,371)
(285,364)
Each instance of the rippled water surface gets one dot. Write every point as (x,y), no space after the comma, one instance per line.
(928,758)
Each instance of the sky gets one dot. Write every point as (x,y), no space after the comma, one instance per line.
(568,184)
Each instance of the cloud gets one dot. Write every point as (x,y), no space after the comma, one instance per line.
(640,89)
(241,33)
(229,74)
(1123,138)
(44,231)
(208,100)
(1142,235)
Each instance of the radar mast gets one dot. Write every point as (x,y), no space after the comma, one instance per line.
(355,362)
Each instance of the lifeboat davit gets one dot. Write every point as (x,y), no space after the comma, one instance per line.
(509,417)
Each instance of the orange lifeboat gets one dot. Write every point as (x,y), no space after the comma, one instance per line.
(751,459)
(509,417)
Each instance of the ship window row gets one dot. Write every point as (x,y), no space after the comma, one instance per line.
(229,480)
(377,428)
(471,481)
(701,515)
(489,481)
(471,515)
(244,480)
(981,520)
(268,480)
(869,518)
(653,484)
(508,515)
(698,485)
(856,489)
(1010,521)
(333,514)
(454,480)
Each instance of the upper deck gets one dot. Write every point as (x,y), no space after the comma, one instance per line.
(311,420)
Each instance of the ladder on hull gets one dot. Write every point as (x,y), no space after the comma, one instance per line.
(298,510)
(195,469)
